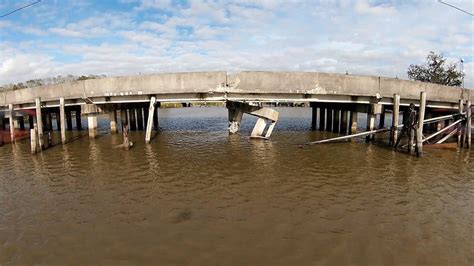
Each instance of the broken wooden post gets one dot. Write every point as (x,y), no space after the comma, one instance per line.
(461,105)
(33,140)
(419,129)
(62,120)
(39,123)
(12,127)
(468,124)
(395,119)
(149,124)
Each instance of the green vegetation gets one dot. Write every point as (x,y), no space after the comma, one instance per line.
(436,70)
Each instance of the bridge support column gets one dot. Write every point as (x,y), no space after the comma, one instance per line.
(49,121)
(329,119)
(461,106)
(12,126)
(395,119)
(382,118)
(419,129)
(113,121)
(78,120)
(133,119)
(140,118)
(337,121)
(150,119)
(353,121)
(469,125)
(62,118)
(92,125)
(344,117)
(314,115)
(39,123)
(322,118)
(235,113)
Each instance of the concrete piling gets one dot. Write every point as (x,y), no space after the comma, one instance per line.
(133,119)
(419,128)
(123,118)
(150,119)
(78,120)
(235,114)
(314,115)
(39,124)
(329,120)
(49,121)
(344,117)
(155,116)
(31,121)
(370,124)
(395,119)
(62,118)
(21,122)
(33,141)
(382,118)
(460,108)
(12,127)
(468,124)
(322,118)
(92,125)
(336,127)
(113,121)
(139,118)
(353,121)
(69,120)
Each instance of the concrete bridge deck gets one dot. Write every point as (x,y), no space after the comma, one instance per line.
(243,86)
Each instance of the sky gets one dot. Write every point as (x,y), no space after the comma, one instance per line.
(129,37)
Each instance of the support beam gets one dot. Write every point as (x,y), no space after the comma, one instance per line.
(12,127)
(62,120)
(78,120)
(395,119)
(344,117)
(468,124)
(113,121)
(92,125)
(419,128)
(322,118)
(149,124)
(442,130)
(353,121)
(139,118)
(39,123)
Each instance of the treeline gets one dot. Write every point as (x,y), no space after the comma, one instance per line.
(47,81)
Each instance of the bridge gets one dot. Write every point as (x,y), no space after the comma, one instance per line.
(336,99)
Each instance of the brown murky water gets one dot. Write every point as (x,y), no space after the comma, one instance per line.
(197,196)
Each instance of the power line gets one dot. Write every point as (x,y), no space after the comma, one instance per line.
(18,9)
(455,7)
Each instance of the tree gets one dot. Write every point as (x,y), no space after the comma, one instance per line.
(436,70)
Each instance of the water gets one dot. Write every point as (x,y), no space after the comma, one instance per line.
(197,196)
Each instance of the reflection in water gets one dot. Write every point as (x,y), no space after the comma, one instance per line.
(196,195)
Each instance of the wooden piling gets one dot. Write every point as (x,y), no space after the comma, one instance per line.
(468,124)
(395,119)
(12,127)
(322,118)
(62,118)
(39,124)
(149,124)
(419,128)
(461,106)
(33,140)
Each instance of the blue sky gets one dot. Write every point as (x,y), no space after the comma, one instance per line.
(128,37)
